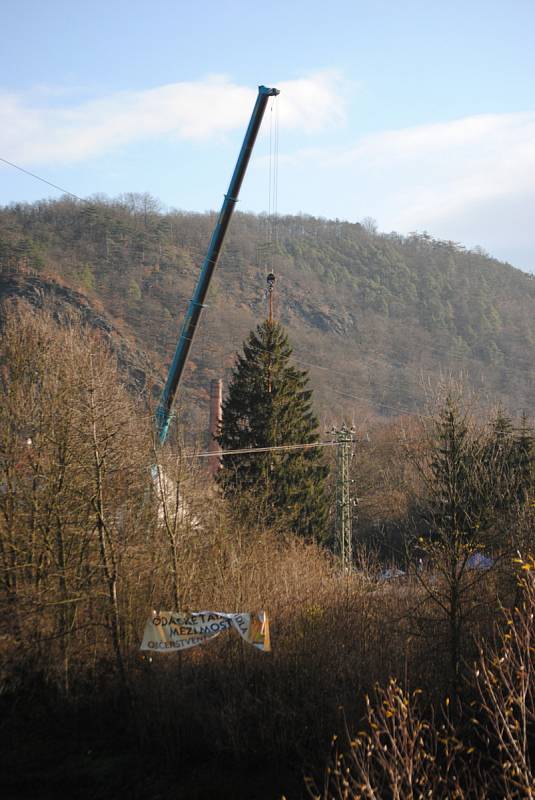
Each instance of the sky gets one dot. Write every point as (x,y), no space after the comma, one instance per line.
(420,115)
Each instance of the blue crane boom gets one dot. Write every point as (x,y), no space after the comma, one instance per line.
(163,412)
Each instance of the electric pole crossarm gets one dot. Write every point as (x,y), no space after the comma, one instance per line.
(163,412)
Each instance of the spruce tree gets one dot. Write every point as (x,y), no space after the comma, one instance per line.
(268,404)
(509,461)
(455,485)
(499,462)
(524,461)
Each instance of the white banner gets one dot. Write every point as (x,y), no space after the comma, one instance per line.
(169,630)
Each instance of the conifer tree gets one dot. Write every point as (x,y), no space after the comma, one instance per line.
(269,404)
(477,478)
(458,517)
(524,460)
(455,481)
(501,475)
(509,463)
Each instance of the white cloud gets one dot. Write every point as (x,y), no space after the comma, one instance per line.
(31,132)
(312,103)
(445,169)
(455,179)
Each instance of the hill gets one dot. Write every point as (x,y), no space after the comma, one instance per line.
(68,306)
(377,319)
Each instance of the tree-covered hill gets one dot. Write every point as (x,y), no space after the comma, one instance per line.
(378,319)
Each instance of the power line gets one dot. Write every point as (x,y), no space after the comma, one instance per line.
(273,189)
(470,361)
(387,385)
(363,363)
(43,180)
(398,409)
(272,221)
(254,450)
(412,366)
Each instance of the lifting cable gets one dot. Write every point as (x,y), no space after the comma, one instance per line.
(271,232)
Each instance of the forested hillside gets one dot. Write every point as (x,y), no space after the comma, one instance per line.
(98,527)
(377,319)
(92,539)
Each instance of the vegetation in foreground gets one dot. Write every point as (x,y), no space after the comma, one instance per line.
(481,746)
(89,545)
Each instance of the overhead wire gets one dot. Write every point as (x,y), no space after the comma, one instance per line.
(276,177)
(273,198)
(272,222)
(362,362)
(44,180)
(270,176)
(457,356)
(272,238)
(273,448)
(398,409)
(385,386)
(385,358)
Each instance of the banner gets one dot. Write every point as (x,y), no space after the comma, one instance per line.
(166,631)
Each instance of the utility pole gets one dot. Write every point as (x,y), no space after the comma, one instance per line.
(344,505)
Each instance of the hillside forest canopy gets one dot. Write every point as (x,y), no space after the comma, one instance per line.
(378,319)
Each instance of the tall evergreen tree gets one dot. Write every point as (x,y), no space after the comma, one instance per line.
(499,460)
(455,504)
(269,404)
(509,462)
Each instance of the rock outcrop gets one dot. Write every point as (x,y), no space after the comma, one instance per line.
(67,305)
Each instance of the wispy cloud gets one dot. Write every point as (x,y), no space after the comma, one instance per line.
(455,179)
(313,103)
(441,170)
(32,132)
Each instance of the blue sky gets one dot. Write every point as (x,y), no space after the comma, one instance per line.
(419,114)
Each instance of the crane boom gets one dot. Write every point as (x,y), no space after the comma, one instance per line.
(163,412)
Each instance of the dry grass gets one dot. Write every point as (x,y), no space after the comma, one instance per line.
(86,556)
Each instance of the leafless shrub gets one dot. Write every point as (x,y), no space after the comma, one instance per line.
(403,754)
(505,679)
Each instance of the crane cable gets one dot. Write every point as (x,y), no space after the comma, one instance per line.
(273,191)
(273,178)
(273,174)
(44,180)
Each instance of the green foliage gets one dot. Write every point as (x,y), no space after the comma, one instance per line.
(477,476)
(87,278)
(478,482)
(268,405)
(451,311)
(134,292)
(456,508)
(523,460)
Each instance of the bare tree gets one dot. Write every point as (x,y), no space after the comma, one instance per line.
(505,679)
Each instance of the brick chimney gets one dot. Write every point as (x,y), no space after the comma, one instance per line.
(216,401)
